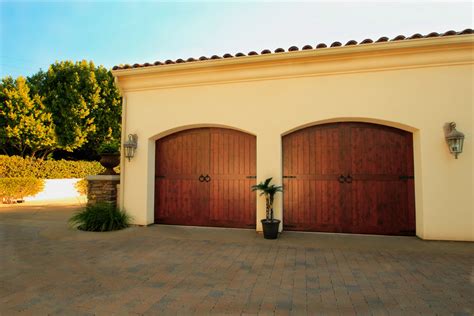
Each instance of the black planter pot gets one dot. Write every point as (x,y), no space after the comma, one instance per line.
(270,228)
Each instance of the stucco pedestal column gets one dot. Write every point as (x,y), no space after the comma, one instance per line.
(102,188)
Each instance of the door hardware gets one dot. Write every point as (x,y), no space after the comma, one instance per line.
(348,179)
(251,177)
(341,179)
(289,177)
(201,178)
(160,177)
(207,178)
(406,177)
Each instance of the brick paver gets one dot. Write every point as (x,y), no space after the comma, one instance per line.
(48,268)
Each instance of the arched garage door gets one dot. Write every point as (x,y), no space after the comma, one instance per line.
(349,178)
(203,178)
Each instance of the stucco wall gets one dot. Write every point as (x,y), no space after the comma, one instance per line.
(419,99)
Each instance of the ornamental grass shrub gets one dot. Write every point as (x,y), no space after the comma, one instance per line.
(100,217)
(13,189)
(16,166)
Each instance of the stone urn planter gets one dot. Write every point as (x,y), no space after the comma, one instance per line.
(109,162)
(109,157)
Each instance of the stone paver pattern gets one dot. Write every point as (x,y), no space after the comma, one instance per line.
(47,267)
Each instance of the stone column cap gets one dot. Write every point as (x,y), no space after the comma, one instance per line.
(104,177)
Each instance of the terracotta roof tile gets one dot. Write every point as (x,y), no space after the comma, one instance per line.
(449,33)
(433,34)
(382,39)
(295,48)
(399,38)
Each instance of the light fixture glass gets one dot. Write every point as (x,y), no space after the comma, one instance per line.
(454,138)
(130,146)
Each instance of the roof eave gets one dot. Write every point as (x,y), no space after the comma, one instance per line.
(422,43)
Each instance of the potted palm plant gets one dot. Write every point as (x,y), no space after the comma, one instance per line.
(270,225)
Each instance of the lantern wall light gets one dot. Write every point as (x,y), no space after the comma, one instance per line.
(454,138)
(130,146)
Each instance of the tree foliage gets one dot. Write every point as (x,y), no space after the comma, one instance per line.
(26,127)
(71,93)
(72,107)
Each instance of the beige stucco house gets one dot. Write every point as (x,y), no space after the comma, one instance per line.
(354,132)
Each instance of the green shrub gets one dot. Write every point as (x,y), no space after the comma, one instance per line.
(81,186)
(12,189)
(100,217)
(15,166)
(111,147)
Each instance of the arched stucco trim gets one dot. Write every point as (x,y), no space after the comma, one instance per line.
(193,126)
(394,124)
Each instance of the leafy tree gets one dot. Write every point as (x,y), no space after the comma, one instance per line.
(71,91)
(36,82)
(26,127)
(85,104)
(107,115)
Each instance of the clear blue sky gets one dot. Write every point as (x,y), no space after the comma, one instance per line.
(34,34)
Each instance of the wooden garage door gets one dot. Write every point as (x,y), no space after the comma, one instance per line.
(349,178)
(203,178)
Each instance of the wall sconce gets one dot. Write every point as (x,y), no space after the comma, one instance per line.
(454,139)
(130,146)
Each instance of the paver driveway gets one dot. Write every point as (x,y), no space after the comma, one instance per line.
(47,268)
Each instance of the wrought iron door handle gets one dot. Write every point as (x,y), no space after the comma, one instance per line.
(201,178)
(207,178)
(341,179)
(349,178)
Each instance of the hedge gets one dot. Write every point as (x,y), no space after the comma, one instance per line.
(15,166)
(12,189)
(82,186)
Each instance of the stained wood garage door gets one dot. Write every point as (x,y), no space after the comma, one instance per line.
(203,178)
(349,178)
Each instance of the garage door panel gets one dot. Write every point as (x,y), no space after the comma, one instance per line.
(378,151)
(224,158)
(233,167)
(230,203)
(312,205)
(379,207)
(180,201)
(376,195)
